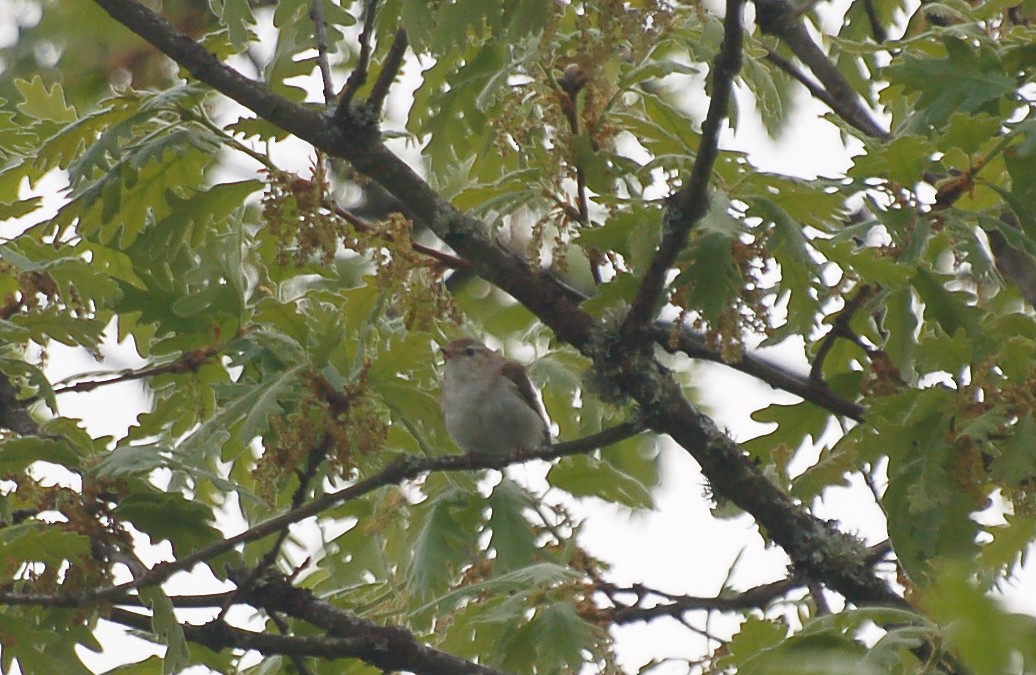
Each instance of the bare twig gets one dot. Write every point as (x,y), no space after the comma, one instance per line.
(816,591)
(572,82)
(779,18)
(188,362)
(691,203)
(815,90)
(693,344)
(840,328)
(358,77)
(389,70)
(443,258)
(878,31)
(676,606)
(316,13)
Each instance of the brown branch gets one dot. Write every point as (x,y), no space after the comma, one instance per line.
(840,328)
(358,77)
(758,597)
(363,225)
(681,339)
(316,13)
(817,91)
(389,648)
(691,203)
(389,70)
(572,82)
(778,18)
(188,362)
(878,31)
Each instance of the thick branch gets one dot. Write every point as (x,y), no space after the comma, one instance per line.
(694,345)
(691,203)
(392,649)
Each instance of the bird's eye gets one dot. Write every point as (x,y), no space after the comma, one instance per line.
(470,351)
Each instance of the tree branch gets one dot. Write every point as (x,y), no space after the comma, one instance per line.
(358,77)
(403,467)
(316,13)
(390,648)
(841,329)
(681,339)
(691,203)
(389,71)
(758,597)
(778,18)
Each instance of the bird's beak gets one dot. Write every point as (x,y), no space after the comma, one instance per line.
(447,353)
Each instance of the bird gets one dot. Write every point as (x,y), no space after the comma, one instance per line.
(489,403)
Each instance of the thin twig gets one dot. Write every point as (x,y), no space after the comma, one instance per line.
(358,77)
(571,83)
(400,469)
(878,31)
(758,597)
(816,591)
(443,258)
(691,203)
(389,71)
(681,339)
(188,362)
(316,13)
(315,459)
(840,328)
(813,88)
(296,659)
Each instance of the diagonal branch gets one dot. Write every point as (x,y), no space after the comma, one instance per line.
(681,339)
(780,19)
(691,203)
(389,70)
(316,13)
(389,648)
(358,77)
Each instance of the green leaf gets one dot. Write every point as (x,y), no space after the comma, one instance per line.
(169,516)
(42,103)
(948,308)
(562,635)
(18,454)
(585,476)
(513,538)
(987,639)
(446,539)
(966,81)
(167,629)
